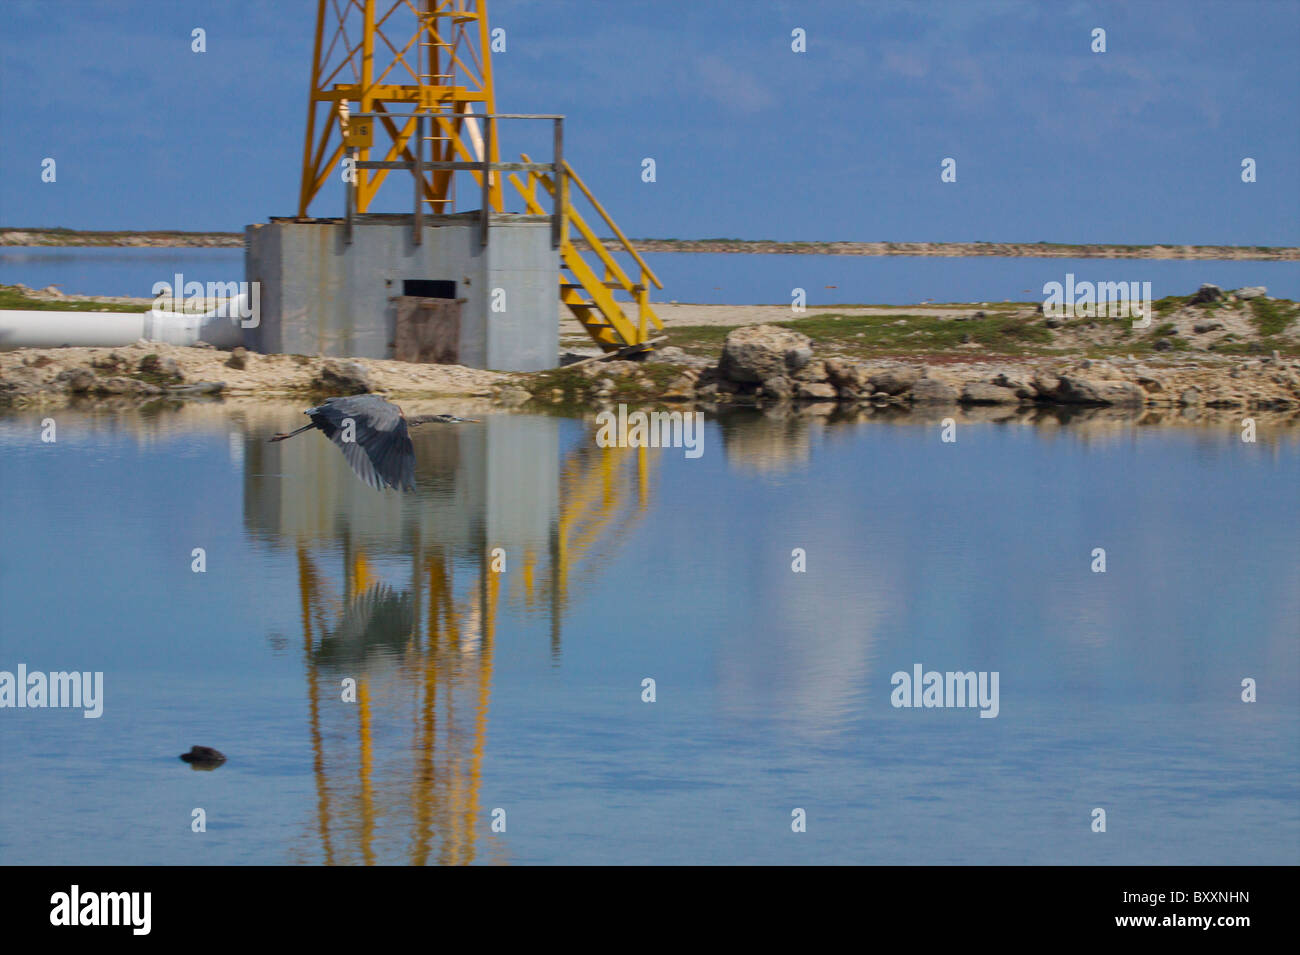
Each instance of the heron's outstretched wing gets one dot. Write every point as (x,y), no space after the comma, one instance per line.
(360,462)
(380,451)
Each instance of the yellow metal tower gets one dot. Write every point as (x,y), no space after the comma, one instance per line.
(372,56)
(411,83)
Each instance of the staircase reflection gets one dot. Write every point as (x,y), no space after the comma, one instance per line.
(402,595)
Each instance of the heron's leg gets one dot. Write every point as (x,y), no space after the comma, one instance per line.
(281,437)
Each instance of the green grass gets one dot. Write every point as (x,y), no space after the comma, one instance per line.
(1263,346)
(650,380)
(699,339)
(11,297)
(920,332)
(1272,317)
(1169,303)
(881,334)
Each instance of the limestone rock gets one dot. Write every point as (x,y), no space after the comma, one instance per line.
(77,380)
(681,388)
(778,386)
(1021,388)
(895,381)
(342,378)
(851,380)
(816,391)
(983,393)
(669,353)
(813,371)
(131,387)
(162,367)
(754,353)
(933,391)
(1046,384)
(1075,390)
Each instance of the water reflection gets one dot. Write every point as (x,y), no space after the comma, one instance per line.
(400,595)
(781,437)
(475,689)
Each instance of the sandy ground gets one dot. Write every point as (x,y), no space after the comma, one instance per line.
(34,370)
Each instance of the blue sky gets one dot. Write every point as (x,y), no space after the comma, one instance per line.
(1142,143)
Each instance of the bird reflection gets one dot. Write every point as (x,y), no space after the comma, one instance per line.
(380,620)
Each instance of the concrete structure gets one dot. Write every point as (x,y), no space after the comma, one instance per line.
(323,295)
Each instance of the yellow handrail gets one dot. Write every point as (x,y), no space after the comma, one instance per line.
(627,243)
(568,171)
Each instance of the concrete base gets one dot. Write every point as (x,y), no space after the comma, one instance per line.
(323,296)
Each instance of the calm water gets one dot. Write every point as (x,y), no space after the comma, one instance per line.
(521,690)
(708,278)
(111,271)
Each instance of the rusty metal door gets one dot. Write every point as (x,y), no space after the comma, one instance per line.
(428,330)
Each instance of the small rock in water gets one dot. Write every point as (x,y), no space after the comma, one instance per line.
(203,756)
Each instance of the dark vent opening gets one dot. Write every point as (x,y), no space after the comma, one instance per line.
(429,288)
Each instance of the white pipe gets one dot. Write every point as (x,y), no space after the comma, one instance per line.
(20,328)
(476,140)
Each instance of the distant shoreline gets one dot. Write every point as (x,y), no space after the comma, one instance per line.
(10,236)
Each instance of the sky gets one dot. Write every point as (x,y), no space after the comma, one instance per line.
(1052,142)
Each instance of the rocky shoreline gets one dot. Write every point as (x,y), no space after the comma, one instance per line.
(1210,353)
(151,371)
(763,365)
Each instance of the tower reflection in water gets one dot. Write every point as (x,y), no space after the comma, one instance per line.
(402,594)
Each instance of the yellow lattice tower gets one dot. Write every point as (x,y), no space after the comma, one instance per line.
(430,57)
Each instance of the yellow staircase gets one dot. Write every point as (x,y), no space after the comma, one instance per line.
(591,298)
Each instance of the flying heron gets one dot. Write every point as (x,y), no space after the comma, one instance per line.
(371,433)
